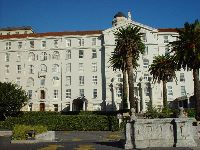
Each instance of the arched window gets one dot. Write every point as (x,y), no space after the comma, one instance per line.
(43,68)
(31,56)
(56,55)
(55,68)
(30,82)
(43,56)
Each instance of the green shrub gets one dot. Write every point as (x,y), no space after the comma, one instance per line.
(191,112)
(20,131)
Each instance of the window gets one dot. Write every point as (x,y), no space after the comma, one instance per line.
(68,43)
(56,43)
(31,56)
(42,94)
(147,90)
(94,93)
(68,67)
(68,93)
(81,42)
(166,39)
(81,80)
(7,69)
(167,52)
(56,55)
(119,91)
(94,41)
(55,107)
(55,94)
(81,68)
(183,92)
(16,32)
(18,57)
(43,44)
(170,91)
(94,67)
(119,78)
(7,57)
(146,50)
(55,80)
(43,56)
(32,44)
(182,77)
(31,69)
(42,81)
(145,63)
(19,69)
(25,32)
(30,94)
(18,81)
(8,33)
(30,82)
(55,68)
(144,37)
(43,68)
(68,54)
(81,53)
(146,77)
(8,45)
(81,92)
(19,45)
(94,53)
(68,80)
(94,80)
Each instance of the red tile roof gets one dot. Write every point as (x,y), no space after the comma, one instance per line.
(167,30)
(50,34)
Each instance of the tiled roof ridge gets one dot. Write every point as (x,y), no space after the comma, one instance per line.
(167,30)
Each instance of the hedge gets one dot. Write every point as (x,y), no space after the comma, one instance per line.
(58,122)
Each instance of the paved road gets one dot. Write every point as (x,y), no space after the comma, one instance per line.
(68,140)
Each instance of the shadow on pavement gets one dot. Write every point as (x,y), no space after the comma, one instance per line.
(116,144)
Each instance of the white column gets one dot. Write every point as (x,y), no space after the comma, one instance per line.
(143,101)
(71,105)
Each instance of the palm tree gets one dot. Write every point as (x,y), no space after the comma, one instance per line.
(129,46)
(187,54)
(163,69)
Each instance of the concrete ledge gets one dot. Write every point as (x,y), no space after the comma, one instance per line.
(5,133)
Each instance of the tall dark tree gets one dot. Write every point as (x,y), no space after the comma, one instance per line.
(130,46)
(163,69)
(187,54)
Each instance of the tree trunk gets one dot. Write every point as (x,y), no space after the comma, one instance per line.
(130,81)
(164,94)
(197,91)
(125,91)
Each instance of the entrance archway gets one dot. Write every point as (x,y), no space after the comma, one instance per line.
(42,106)
(79,104)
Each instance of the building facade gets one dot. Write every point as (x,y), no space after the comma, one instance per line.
(70,71)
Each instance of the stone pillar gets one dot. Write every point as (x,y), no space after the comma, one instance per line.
(142,94)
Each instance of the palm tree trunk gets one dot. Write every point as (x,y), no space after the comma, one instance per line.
(197,91)
(125,91)
(164,94)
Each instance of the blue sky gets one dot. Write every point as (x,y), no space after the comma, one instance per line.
(73,15)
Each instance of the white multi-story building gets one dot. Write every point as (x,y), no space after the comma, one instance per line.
(70,70)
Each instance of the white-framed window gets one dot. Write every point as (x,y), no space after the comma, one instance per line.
(56,80)
(55,107)
(68,43)
(68,67)
(94,41)
(31,56)
(81,42)
(30,82)
(183,91)
(44,44)
(145,63)
(7,70)
(119,78)
(119,91)
(42,81)
(68,54)
(55,43)
(55,68)
(182,77)
(146,50)
(94,53)
(169,90)
(43,56)
(94,67)
(81,92)
(19,45)
(80,67)
(94,93)
(146,77)
(81,80)
(32,44)
(68,80)
(7,57)
(30,94)
(68,93)
(31,69)
(81,53)
(43,68)
(18,57)
(56,55)
(55,94)
(167,52)
(18,81)
(19,69)
(94,80)
(144,37)
(147,90)
(8,45)
(166,40)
